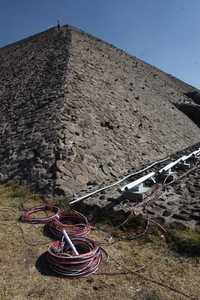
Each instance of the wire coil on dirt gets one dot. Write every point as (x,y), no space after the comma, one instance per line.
(62,261)
(28,218)
(73,222)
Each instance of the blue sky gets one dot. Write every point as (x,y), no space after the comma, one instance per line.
(165,33)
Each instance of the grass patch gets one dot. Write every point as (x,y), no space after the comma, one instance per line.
(186,242)
(148,295)
(17,196)
(22,244)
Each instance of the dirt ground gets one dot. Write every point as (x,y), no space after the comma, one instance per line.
(23,273)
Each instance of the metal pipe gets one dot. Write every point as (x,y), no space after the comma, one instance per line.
(183,158)
(142,179)
(138,181)
(117,182)
(70,242)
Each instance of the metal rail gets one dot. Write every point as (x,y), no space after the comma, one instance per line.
(140,181)
(137,182)
(165,169)
(117,182)
(181,159)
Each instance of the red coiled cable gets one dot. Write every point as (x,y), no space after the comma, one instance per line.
(62,261)
(60,256)
(73,222)
(27,214)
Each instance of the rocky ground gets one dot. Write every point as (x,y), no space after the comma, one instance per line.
(179,205)
(176,204)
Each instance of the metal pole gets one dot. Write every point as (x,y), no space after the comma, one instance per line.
(70,243)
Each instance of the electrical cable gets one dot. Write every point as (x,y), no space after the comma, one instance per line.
(73,222)
(28,218)
(62,261)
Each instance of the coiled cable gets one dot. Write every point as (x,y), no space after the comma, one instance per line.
(73,222)
(62,261)
(28,218)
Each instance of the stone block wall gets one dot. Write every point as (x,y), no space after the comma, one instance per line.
(77,112)
(120,114)
(31,75)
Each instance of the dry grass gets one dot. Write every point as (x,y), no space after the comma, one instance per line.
(21,279)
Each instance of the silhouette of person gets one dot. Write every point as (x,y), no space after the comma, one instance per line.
(58,25)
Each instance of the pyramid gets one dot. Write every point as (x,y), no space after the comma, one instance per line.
(78,112)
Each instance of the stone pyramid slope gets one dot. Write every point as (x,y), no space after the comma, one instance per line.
(78,112)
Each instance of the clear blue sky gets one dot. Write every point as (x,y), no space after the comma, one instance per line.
(165,33)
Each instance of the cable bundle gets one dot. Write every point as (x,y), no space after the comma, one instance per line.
(73,222)
(75,257)
(61,260)
(27,214)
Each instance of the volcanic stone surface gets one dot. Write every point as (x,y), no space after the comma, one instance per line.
(76,112)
